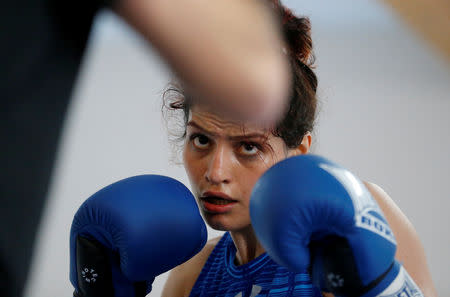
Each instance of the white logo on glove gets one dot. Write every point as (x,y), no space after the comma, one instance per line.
(89,275)
(363,203)
(335,280)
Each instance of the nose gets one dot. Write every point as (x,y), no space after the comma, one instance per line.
(219,167)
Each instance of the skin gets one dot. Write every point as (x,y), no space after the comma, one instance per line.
(225,156)
(220,157)
(240,73)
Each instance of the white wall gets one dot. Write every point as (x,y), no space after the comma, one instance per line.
(385,108)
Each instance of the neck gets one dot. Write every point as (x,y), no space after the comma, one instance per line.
(247,245)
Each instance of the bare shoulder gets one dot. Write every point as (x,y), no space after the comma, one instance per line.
(182,278)
(390,209)
(410,250)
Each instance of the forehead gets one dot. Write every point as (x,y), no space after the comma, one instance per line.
(219,125)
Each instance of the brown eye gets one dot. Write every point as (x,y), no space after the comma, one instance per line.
(200,141)
(248,149)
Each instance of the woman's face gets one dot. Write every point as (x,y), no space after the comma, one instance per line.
(223,160)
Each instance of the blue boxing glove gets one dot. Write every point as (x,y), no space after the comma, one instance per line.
(310,213)
(129,232)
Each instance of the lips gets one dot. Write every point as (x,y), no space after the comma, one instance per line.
(216,202)
(217,198)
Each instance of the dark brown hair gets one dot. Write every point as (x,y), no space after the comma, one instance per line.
(300,116)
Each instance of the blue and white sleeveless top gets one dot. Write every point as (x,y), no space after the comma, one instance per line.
(220,277)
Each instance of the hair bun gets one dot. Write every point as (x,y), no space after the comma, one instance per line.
(297,33)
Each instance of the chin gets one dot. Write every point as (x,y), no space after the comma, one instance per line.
(225,223)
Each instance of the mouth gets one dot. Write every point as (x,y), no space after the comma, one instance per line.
(217,202)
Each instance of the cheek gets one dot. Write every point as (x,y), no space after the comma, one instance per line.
(190,165)
(258,169)
(250,179)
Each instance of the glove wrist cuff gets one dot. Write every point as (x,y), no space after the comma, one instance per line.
(397,282)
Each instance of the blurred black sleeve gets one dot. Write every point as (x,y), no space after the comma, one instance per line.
(42,46)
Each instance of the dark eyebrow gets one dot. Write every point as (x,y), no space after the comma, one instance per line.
(235,138)
(248,136)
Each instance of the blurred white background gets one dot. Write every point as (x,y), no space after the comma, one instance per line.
(384,114)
